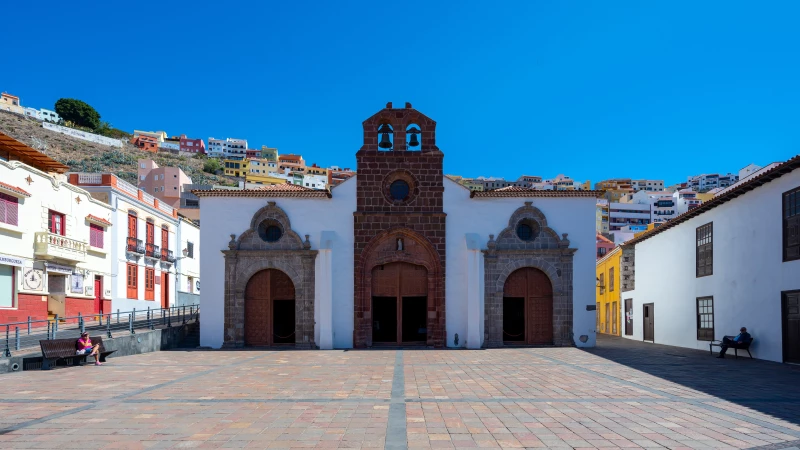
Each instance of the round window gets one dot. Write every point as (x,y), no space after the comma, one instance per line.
(527,230)
(269,232)
(399,190)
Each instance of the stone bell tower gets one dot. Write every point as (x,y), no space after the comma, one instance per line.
(399,219)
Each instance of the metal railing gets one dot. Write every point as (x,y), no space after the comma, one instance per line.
(19,336)
(149,249)
(166,255)
(135,245)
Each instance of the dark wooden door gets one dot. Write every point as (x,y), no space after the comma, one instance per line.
(262,291)
(150,233)
(791,327)
(649,323)
(401,286)
(98,292)
(534,287)
(628,317)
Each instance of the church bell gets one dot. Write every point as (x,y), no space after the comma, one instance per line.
(413,141)
(385,140)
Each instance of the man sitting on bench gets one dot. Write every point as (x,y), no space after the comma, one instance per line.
(743,338)
(84,346)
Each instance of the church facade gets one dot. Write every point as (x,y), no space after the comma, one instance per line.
(399,255)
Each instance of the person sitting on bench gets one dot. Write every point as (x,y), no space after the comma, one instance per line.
(84,347)
(742,338)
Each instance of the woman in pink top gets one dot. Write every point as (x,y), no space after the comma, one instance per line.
(84,347)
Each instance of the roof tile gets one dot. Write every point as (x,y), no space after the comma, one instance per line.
(19,191)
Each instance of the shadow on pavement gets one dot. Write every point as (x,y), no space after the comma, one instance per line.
(764,386)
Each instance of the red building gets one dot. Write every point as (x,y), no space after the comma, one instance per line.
(192,145)
(146,143)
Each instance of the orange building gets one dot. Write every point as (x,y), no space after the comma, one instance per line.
(147,143)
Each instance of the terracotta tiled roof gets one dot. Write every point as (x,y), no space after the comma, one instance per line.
(15,189)
(751,183)
(275,190)
(98,220)
(602,238)
(516,191)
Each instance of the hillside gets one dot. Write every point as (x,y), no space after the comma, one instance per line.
(84,156)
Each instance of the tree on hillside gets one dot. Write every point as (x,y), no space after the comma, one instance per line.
(78,112)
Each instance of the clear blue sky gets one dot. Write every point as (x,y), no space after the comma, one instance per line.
(591,89)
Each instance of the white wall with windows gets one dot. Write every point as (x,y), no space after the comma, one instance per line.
(50,231)
(187,264)
(742,286)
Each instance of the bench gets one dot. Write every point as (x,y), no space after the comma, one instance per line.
(736,346)
(64,349)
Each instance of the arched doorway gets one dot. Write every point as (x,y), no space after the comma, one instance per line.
(269,309)
(527,308)
(399,304)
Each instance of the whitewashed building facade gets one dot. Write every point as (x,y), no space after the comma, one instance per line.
(54,245)
(733,261)
(398,254)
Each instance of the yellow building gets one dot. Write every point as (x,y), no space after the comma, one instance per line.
(704,196)
(11,103)
(235,167)
(257,178)
(608,293)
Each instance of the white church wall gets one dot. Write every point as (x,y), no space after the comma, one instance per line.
(222,216)
(748,273)
(485,216)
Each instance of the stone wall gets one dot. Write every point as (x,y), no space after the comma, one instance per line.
(380,219)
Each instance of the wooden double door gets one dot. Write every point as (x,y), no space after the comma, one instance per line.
(528,308)
(399,304)
(269,309)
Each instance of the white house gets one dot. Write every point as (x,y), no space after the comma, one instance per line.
(229,148)
(54,241)
(49,116)
(733,261)
(364,264)
(144,245)
(187,263)
(33,113)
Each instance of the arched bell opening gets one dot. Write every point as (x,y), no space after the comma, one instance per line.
(527,308)
(386,137)
(413,137)
(269,309)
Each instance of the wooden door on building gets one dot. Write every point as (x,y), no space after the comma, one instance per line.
(649,322)
(614,319)
(528,302)
(791,326)
(98,292)
(628,316)
(269,309)
(399,303)
(165,289)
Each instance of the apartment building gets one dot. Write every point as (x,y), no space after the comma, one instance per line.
(54,245)
(252,153)
(269,153)
(163,183)
(144,246)
(706,182)
(686,200)
(647,185)
(607,307)
(229,148)
(192,146)
(236,167)
(340,175)
(291,162)
(172,145)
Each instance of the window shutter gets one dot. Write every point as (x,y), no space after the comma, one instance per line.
(9,209)
(96,235)
(131,226)
(792,231)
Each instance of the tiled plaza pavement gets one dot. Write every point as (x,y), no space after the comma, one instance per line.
(622,394)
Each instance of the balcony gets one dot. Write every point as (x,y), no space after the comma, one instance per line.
(166,256)
(135,246)
(54,246)
(152,251)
